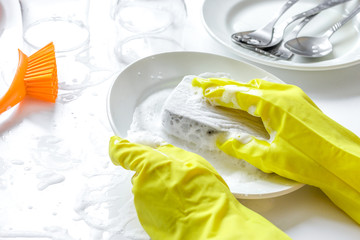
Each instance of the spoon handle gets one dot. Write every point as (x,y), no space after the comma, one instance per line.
(282,10)
(341,23)
(279,30)
(265,33)
(299,27)
(315,10)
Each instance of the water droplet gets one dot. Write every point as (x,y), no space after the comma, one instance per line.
(27,168)
(17,162)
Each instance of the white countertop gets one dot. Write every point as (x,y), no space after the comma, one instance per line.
(57,181)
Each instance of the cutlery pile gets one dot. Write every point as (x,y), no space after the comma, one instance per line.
(272,41)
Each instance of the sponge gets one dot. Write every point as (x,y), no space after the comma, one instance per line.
(188,116)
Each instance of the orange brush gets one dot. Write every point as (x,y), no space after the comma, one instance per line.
(36,76)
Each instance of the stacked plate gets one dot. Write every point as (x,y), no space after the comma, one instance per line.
(223,18)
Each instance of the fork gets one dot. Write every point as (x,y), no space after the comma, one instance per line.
(279,51)
(263,35)
(279,30)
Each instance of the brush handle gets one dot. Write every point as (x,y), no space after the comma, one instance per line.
(17,90)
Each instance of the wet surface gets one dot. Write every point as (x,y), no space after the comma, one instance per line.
(57,181)
(54,165)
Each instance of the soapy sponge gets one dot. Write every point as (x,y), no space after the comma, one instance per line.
(188,116)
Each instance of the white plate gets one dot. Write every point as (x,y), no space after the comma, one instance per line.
(152,74)
(223,18)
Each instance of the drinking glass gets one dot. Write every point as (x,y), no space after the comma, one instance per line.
(146,27)
(63,22)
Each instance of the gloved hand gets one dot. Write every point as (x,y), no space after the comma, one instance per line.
(179,195)
(305,145)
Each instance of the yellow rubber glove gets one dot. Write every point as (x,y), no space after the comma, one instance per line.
(178,196)
(305,145)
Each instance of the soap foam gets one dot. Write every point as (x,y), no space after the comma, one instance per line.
(48,178)
(147,121)
(187,115)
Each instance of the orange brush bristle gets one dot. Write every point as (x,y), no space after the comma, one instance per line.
(41,76)
(36,76)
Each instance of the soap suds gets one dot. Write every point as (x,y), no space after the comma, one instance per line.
(48,178)
(187,115)
(147,122)
(106,204)
(252,110)
(54,233)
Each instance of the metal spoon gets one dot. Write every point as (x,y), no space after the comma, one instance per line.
(318,46)
(264,35)
(280,29)
(279,51)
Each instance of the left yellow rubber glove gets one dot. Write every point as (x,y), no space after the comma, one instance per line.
(178,196)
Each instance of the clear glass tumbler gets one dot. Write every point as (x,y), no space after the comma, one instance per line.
(64,22)
(146,27)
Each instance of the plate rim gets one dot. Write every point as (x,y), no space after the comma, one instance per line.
(295,187)
(253,58)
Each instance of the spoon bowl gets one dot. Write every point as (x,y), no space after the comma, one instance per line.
(310,46)
(318,46)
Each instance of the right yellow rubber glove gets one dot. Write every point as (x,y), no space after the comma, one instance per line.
(305,145)
(178,195)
